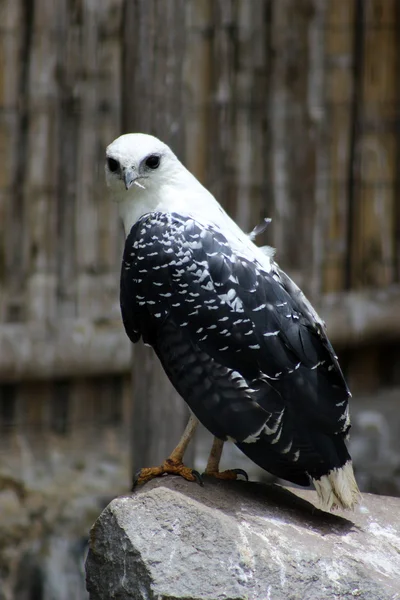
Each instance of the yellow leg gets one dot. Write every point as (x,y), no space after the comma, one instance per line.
(214,457)
(212,468)
(173,465)
(190,429)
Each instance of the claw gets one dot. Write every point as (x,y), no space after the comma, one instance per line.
(199,478)
(135,480)
(230,474)
(242,473)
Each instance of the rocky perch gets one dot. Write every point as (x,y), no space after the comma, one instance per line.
(238,540)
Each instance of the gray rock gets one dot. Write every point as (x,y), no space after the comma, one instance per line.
(238,540)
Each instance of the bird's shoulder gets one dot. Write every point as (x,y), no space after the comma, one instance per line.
(167,263)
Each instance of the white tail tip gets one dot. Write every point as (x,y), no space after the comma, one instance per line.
(338,489)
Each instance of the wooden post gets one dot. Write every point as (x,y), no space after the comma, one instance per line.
(153,102)
(372,252)
(372,218)
(340,69)
(297,123)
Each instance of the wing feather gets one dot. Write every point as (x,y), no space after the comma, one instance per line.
(185,282)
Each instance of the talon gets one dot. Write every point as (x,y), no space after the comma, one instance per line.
(229,475)
(242,473)
(135,480)
(198,477)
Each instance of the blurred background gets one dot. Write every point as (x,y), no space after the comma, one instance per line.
(288,109)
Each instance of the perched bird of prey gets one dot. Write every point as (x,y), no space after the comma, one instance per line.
(237,338)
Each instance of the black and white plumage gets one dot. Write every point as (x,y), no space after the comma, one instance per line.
(236,337)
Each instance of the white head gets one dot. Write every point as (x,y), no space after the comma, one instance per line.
(144,175)
(140,160)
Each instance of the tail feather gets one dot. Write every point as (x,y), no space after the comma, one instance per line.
(338,488)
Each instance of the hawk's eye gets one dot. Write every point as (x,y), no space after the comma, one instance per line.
(152,161)
(113,164)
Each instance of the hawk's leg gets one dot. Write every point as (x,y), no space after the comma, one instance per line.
(173,465)
(212,468)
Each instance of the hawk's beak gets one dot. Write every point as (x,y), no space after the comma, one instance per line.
(129,177)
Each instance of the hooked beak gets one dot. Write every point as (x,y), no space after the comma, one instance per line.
(129,177)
